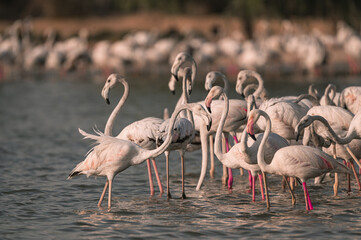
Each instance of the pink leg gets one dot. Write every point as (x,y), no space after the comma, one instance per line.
(157,176)
(250,179)
(261,185)
(307,197)
(253,188)
(235,139)
(151,187)
(103,193)
(230,175)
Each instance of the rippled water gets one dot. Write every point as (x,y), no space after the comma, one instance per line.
(40,144)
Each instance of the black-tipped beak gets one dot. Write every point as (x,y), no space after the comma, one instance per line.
(209,126)
(209,109)
(297,136)
(243,95)
(173,92)
(107,100)
(252,136)
(189,92)
(175,77)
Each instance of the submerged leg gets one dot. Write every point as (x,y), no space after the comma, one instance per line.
(211,155)
(182,163)
(290,189)
(167,173)
(307,197)
(253,189)
(266,189)
(157,176)
(151,187)
(261,185)
(103,193)
(230,175)
(110,194)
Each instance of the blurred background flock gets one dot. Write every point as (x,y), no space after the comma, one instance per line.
(275,38)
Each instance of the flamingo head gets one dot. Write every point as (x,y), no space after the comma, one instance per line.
(215,92)
(110,82)
(304,122)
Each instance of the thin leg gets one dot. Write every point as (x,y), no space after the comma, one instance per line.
(307,199)
(253,189)
(292,183)
(348,179)
(336,184)
(225,172)
(211,155)
(103,193)
(230,175)
(266,189)
(289,188)
(356,176)
(151,187)
(261,185)
(182,162)
(167,172)
(110,194)
(157,176)
(250,179)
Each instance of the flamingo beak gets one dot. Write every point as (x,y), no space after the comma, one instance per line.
(252,136)
(173,92)
(297,136)
(209,126)
(175,77)
(107,100)
(209,109)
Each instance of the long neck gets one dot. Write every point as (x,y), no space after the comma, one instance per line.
(329,94)
(194,71)
(260,154)
(113,115)
(348,138)
(260,88)
(156,152)
(218,138)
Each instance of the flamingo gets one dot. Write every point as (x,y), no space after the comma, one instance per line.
(242,82)
(141,132)
(330,96)
(350,98)
(112,155)
(329,136)
(184,128)
(339,119)
(297,161)
(241,155)
(237,111)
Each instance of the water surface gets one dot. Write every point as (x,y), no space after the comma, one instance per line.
(40,145)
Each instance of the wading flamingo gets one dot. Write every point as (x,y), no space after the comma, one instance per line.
(297,161)
(242,155)
(112,155)
(141,132)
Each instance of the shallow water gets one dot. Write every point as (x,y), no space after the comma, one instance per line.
(40,145)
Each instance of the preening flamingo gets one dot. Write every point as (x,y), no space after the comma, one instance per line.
(298,161)
(112,155)
(241,155)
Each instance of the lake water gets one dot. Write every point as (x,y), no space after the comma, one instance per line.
(40,145)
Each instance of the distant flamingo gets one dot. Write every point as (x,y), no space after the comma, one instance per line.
(330,96)
(242,82)
(350,98)
(112,155)
(241,155)
(298,161)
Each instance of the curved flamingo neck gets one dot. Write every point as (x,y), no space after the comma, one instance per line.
(260,154)
(348,138)
(156,152)
(109,125)
(218,137)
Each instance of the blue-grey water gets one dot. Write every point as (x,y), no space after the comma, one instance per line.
(40,145)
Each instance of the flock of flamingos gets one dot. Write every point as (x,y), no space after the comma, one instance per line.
(266,133)
(291,50)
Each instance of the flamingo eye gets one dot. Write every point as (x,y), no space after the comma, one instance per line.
(108,80)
